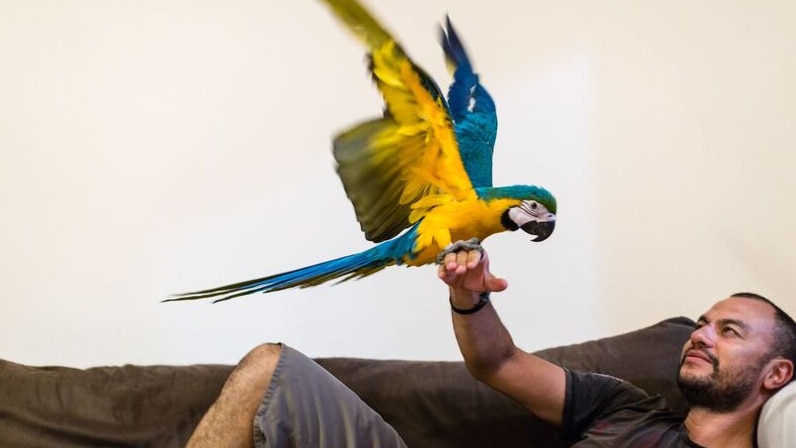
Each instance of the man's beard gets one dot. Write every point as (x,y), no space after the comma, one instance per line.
(722,391)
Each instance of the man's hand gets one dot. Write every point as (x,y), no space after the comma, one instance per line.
(467,270)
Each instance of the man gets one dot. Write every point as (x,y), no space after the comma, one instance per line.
(741,352)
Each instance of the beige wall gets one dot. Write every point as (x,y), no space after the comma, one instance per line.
(153,147)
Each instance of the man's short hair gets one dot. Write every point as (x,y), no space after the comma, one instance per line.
(784,329)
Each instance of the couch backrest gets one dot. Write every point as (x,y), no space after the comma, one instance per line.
(431,404)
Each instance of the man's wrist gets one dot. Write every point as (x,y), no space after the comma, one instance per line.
(469,302)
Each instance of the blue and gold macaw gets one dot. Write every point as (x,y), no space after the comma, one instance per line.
(424,168)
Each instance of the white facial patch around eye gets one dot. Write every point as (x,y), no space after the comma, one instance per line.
(520,216)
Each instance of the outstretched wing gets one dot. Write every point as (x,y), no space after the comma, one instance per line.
(388,164)
(472,108)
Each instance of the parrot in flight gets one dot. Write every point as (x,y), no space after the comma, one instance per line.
(420,176)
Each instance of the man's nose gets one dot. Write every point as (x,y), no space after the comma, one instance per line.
(703,336)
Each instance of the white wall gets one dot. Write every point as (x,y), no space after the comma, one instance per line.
(154,147)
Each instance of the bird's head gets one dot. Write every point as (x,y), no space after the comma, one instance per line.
(533,210)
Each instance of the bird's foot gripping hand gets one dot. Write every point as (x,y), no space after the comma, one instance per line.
(458,246)
(464,267)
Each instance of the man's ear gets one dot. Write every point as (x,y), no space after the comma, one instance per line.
(780,372)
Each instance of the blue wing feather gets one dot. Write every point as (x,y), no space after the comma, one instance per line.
(473,111)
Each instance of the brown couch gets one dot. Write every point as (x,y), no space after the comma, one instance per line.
(432,404)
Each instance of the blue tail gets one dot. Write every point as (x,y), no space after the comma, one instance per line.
(358,265)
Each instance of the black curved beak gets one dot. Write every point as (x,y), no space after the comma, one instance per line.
(542,229)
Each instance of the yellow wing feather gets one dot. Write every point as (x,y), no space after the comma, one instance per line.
(388,165)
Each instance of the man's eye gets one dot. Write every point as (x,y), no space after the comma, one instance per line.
(731,331)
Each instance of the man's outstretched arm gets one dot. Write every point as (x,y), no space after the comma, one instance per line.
(487,347)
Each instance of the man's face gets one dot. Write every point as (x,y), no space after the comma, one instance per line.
(725,355)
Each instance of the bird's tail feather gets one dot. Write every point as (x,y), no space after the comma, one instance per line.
(344,268)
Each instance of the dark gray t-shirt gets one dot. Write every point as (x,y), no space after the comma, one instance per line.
(603,411)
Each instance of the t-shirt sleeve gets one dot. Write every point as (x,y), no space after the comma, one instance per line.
(590,396)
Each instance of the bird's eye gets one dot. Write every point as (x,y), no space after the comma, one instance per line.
(534,205)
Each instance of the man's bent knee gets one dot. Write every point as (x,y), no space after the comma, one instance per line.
(257,367)
(229,420)
(262,355)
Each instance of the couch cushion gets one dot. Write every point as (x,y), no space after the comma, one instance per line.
(431,404)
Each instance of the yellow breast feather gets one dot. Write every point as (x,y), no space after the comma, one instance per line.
(450,220)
